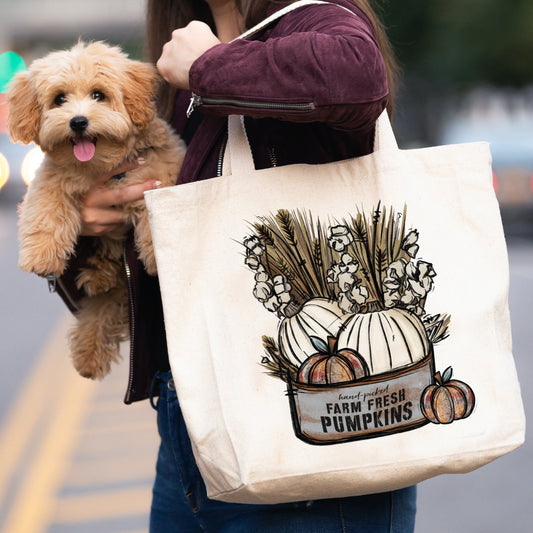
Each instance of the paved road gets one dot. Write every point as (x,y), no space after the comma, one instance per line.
(73,457)
(62,439)
(498,497)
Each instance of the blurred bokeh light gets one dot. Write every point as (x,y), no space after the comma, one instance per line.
(4,170)
(32,161)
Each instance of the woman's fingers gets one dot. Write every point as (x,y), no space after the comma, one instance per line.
(101,209)
(123,195)
(124,167)
(97,222)
(103,197)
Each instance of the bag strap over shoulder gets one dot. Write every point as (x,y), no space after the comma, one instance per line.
(282,12)
(238,157)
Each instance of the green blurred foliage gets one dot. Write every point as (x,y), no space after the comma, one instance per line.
(463,42)
(10,64)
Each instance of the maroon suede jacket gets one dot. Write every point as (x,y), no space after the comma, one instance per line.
(311,88)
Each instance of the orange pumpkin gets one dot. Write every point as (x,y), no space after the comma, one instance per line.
(330,367)
(447,400)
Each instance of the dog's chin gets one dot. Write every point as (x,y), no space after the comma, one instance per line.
(88,153)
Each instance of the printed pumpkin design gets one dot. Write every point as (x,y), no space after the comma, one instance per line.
(330,366)
(354,343)
(397,333)
(318,318)
(447,400)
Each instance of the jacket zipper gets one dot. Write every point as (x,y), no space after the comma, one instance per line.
(197,101)
(220,163)
(273,157)
(271,153)
(132,325)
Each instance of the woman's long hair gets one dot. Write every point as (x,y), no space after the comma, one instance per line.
(163,16)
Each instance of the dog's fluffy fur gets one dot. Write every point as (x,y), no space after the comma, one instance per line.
(114,95)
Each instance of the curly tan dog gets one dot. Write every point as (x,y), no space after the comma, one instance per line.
(89,109)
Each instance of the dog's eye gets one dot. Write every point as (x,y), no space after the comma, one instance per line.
(60,99)
(98,96)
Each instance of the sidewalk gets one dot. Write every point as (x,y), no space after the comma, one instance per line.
(74,458)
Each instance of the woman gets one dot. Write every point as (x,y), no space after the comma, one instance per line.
(311,88)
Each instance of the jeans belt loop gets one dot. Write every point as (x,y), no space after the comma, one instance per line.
(155,381)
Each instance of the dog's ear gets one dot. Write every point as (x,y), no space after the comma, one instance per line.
(139,91)
(24,111)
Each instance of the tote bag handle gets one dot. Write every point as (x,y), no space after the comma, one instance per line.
(238,157)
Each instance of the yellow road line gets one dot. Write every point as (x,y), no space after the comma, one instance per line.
(56,388)
(110,470)
(23,416)
(144,428)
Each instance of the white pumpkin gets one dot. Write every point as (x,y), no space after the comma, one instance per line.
(318,317)
(388,340)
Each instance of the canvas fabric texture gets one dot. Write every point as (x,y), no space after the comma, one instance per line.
(339,329)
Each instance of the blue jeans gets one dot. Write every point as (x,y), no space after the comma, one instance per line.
(180,503)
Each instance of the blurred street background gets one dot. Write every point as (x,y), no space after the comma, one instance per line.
(73,458)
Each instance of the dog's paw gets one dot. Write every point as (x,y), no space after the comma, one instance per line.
(93,350)
(150,265)
(96,282)
(92,365)
(101,325)
(41,261)
(92,357)
(145,247)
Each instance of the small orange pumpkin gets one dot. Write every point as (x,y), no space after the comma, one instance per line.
(447,400)
(330,367)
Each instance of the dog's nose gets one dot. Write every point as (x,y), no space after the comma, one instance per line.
(79,124)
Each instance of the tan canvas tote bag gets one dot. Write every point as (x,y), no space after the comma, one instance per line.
(339,329)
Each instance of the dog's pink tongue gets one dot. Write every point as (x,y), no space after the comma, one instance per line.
(84,150)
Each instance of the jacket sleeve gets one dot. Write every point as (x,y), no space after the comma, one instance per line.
(319,63)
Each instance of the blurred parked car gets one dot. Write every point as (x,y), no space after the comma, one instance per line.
(506,122)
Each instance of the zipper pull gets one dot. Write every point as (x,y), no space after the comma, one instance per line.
(52,283)
(194,103)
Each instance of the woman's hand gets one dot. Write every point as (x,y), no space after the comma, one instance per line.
(101,208)
(186,46)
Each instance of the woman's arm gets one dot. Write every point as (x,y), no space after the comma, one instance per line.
(319,64)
